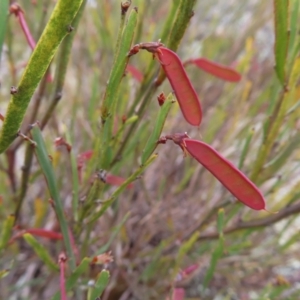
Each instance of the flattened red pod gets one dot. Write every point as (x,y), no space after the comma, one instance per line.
(216,69)
(232,178)
(185,93)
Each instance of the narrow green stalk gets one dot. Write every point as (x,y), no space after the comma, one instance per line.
(120,32)
(158,127)
(118,69)
(100,284)
(43,158)
(56,30)
(110,103)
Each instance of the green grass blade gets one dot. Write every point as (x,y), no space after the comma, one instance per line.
(55,31)
(100,284)
(73,279)
(158,127)
(41,252)
(48,171)
(281,10)
(3,21)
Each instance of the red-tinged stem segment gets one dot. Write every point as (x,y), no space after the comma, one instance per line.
(216,69)
(62,265)
(16,9)
(185,93)
(231,177)
(49,234)
(18,12)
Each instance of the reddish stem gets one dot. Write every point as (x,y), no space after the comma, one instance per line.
(62,265)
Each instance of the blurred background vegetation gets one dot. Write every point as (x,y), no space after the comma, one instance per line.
(168,221)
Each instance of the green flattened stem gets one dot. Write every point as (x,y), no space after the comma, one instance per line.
(6,231)
(119,66)
(41,252)
(72,281)
(57,28)
(45,163)
(100,284)
(281,16)
(109,104)
(158,127)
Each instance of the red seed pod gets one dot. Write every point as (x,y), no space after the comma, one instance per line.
(185,93)
(216,69)
(232,178)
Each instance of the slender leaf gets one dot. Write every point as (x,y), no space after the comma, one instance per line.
(281,9)
(48,171)
(41,251)
(100,285)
